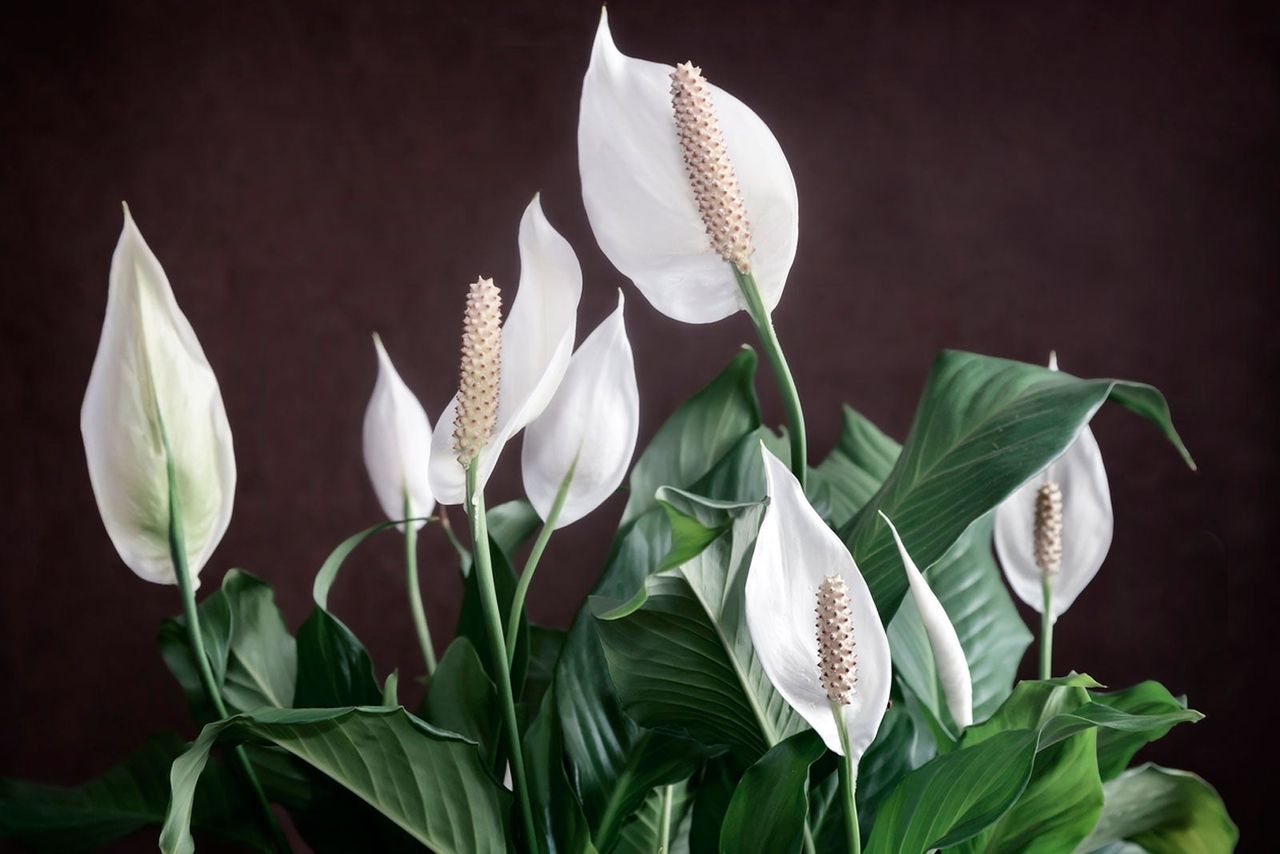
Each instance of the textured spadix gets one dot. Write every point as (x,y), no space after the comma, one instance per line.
(643,207)
(537,341)
(152,382)
(589,427)
(397,444)
(948,654)
(1086,523)
(794,555)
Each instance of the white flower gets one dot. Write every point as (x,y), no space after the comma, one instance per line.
(397,445)
(642,204)
(948,655)
(1086,526)
(150,383)
(589,428)
(537,341)
(796,557)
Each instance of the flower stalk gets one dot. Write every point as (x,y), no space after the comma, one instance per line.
(531,565)
(415,590)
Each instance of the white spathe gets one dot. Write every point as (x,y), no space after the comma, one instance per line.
(948,654)
(589,428)
(794,552)
(151,381)
(537,341)
(1087,523)
(397,445)
(641,205)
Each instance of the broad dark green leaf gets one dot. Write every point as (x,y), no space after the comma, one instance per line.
(1116,748)
(1163,811)
(983,427)
(431,783)
(712,790)
(128,798)
(462,699)
(544,652)
(661,824)
(561,823)
(771,803)
(852,472)
(334,668)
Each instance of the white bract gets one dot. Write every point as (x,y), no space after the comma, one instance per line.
(152,382)
(640,201)
(537,341)
(794,553)
(1087,523)
(588,429)
(397,445)
(948,655)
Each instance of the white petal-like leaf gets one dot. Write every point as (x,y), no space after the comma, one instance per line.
(641,204)
(948,654)
(1087,523)
(397,445)
(537,341)
(589,427)
(794,552)
(151,375)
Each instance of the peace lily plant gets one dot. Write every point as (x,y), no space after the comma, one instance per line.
(782,652)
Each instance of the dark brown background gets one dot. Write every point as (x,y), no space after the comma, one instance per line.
(1007,178)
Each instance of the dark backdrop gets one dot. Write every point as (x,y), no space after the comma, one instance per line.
(1008,178)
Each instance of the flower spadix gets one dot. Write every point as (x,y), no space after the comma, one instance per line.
(1057,526)
(153,400)
(397,445)
(534,346)
(948,655)
(840,662)
(588,432)
(682,182)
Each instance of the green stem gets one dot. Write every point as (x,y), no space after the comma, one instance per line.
(664,837)
(447,527)
(483,564)
(415,590)
(526,577)
(848,785)
(178,553)
(781,372)
(1046,630)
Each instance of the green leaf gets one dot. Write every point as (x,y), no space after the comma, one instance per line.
(430,783)
(124,800)
(712,792)
(771,803)
(697,435)
(661,825)
(1116,748)
(845,481)
(557,809)
(544,652)
(1163,811)
(680,653)
(334,668)
(462,699)
(983,427)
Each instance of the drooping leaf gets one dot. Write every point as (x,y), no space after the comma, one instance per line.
(1162,811)
(771,803)
(1115,747)
(983,427)
(429,782)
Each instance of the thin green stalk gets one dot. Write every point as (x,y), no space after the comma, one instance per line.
(447,527)
(526,577)
(483,564)
(664,835)
(781,372)
(178,553)
(1046,630)
(415,590)
(848,785)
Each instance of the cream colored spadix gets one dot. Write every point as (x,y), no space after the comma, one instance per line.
(537,341)
(948,655)
(795,555)
(644,205)
(1086,526)
(150,383)
(588,429)
(397,445)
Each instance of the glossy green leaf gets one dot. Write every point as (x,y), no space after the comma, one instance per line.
(1116,748)
(983,427)
(771,803)
(461,698)
(430,783)
(561,822)
(334,668)
(852,472)
(661,825)
(1162,811)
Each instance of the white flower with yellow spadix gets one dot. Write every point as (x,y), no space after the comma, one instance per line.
(152,404)
(533,350)
(683,184)
(1053,533)
(836,672)
(397,445)
(948,655)
(583,442)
